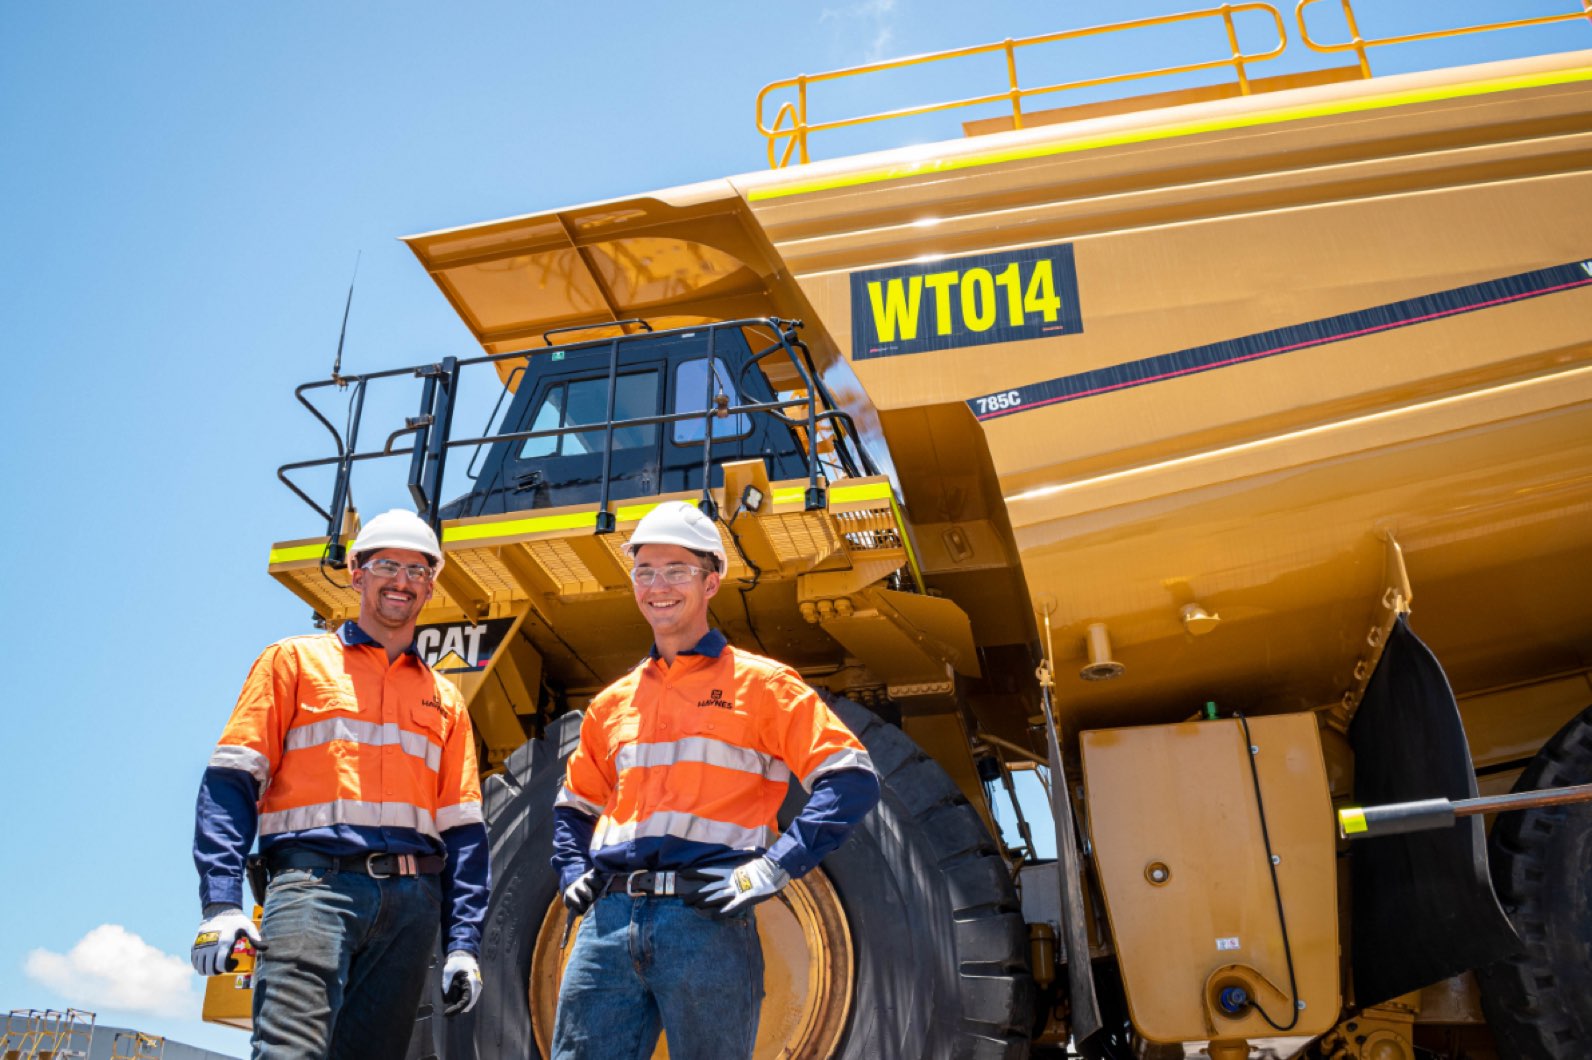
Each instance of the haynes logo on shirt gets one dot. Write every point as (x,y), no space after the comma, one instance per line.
(716,699)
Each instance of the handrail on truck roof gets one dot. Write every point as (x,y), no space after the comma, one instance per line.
(1360,45)
(432,426)
(801,126)
(792,124)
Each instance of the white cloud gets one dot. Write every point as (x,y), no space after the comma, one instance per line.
(876,20)
(112,968)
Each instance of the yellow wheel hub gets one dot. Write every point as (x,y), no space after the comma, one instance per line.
(807,972)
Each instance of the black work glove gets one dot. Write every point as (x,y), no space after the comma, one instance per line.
(579,896)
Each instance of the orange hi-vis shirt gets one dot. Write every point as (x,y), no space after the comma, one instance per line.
(683,763)
(351,751)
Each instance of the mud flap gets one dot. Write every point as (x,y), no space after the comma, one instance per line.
(1424,906)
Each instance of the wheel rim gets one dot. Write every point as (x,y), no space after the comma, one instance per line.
(808,971)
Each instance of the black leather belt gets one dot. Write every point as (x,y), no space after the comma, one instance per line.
(649,884)
(376,866)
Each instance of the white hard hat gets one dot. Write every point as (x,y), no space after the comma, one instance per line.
(678,523)
(398,528)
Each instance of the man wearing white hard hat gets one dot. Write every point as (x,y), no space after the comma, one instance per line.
(354,764)
(664,833)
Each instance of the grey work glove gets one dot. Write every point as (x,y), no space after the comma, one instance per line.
(579,895)
(212,944)
(731,887)
(461,983)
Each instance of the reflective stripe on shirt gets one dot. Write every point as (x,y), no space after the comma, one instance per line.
(848,758)
(230,756)
(705,750)
(460,814)
(681,826)
(348,811)
(367,733)
(569,798)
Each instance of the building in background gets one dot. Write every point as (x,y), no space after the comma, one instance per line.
(74,1034)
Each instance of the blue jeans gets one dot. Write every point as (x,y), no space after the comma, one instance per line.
(347,960)
(644,964)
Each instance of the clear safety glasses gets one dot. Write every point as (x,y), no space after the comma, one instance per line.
(673,574)
(386,568)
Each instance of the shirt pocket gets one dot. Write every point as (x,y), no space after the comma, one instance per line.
(322,695)
(736,726)
(427,717)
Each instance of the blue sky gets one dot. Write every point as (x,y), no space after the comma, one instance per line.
(185,189)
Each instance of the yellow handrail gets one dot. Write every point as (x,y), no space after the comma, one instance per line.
(800,127)
(1359,45)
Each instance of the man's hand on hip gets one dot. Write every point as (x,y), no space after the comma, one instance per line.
(579,895)
(461,983)
(728,888)
(212,945)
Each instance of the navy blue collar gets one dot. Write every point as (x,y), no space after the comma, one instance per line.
(712,645)
(352,635)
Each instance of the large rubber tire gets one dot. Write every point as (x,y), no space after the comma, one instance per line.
(941,949)
(1539,1003)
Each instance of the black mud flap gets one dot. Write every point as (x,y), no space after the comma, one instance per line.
(1424,906)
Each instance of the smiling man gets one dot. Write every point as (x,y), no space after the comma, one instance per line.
(355,764)
(664,833)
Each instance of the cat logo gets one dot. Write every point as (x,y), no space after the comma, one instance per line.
(462,647)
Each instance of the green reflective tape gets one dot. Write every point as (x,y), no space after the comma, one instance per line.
(632,513)
(516,527)
(298,553)
(906,542)
(1351,820)
(868,491)
(539,524)
(629,513)
(789,495)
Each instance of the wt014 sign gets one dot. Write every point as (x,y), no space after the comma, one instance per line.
(973,301)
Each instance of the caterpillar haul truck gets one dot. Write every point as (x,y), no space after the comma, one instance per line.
(1223,456)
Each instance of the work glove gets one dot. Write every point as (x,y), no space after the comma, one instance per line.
(728,888)
(579,895)
(461,983)
(212,946)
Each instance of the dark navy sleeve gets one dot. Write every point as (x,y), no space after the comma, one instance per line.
(466,883)
(839,801)
(572,832)
(223,831)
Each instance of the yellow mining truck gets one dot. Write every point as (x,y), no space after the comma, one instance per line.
(1222,456)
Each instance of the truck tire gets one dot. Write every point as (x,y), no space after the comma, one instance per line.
(940,946)
(942,950)
(1539,1003)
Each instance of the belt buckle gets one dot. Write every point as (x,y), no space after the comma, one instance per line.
(370,867)
(630,882)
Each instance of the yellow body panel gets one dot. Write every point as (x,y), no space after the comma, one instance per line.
(1262,492)
(1178,844)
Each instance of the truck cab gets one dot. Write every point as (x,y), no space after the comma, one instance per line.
(671,391)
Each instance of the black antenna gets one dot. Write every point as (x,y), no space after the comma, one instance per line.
(337,364)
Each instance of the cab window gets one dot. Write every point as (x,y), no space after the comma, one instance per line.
(585,401)
(691,390)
